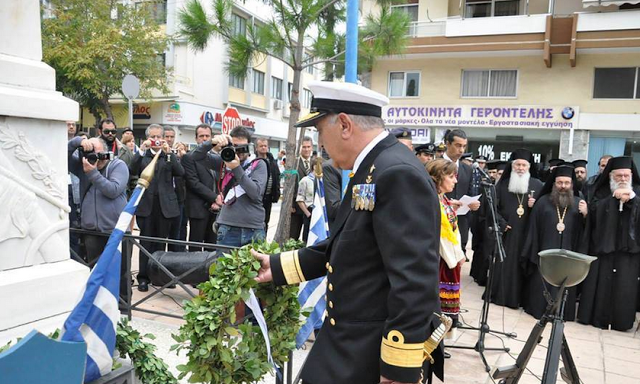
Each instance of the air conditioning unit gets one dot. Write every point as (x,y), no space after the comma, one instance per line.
(277,104)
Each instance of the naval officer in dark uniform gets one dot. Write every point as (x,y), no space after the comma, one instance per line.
(381,260)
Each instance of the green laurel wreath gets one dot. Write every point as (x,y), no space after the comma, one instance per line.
(219,351)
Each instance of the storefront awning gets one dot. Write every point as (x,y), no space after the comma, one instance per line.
(604,3)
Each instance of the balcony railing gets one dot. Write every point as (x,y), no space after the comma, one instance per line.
(427,28)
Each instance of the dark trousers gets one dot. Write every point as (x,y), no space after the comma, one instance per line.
(201,231)
(463,226)
(266,203)
(178,231)
(297,220)
(154,225)
(306,223)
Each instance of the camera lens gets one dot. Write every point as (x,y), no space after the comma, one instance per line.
(228,154)
(92,158)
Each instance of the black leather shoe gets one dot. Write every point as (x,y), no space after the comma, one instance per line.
(143,286)
(446,355)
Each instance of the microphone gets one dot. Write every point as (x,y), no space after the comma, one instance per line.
(476,166)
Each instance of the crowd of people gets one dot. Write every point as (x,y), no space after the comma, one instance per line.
(194,194)
(555,208)
(407,244)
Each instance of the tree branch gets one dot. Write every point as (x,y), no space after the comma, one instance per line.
(323,8)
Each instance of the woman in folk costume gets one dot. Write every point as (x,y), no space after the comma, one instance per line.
(443,173)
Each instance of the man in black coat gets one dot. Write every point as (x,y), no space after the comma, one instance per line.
(272,193)
(159,204)
(456,142)
(382,259)
(201,177)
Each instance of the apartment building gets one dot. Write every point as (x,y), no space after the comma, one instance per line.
(201,90)
(558,77)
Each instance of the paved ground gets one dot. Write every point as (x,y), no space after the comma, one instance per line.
(609,357)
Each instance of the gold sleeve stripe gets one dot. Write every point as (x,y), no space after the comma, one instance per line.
(394,351)
(291,267)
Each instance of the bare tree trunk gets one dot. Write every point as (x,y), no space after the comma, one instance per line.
(284,223)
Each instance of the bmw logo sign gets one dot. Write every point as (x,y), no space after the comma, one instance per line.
(568,113)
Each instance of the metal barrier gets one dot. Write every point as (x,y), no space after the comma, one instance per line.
(128,242)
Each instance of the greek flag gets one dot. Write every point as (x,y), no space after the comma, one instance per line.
(312,292)
(95,317)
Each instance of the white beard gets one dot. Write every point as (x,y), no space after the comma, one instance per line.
(617,185)
(519,184)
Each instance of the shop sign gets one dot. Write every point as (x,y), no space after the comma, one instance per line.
(488,116)
(218,118)
(502,152)
(141,112)
(421,135)
(173,114)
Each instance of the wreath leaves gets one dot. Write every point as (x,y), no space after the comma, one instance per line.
(219,351)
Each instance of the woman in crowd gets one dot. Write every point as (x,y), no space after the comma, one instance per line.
(443,173)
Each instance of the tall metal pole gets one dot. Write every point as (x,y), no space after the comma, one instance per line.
(131,113)
(351,62)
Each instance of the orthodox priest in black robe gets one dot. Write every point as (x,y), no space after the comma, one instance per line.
(609,294)
(515,197)
(557,221)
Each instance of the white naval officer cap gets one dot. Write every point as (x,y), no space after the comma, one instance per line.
(350,98)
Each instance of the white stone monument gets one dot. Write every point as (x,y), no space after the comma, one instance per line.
(39,283)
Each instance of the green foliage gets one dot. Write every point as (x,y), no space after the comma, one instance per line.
(150,369)
(92,45)
(221,351)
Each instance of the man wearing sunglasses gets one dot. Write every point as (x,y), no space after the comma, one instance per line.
(107,132)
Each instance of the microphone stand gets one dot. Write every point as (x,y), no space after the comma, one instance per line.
(498,252)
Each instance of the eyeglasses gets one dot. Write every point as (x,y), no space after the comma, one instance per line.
(109,131)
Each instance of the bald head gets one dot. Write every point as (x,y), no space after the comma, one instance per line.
(97,144)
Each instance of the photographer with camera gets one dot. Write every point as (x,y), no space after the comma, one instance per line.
(108,135)
(159,205)
(242,184)
(103,185)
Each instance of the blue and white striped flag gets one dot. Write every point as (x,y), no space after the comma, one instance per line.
(95,317)
(312,292)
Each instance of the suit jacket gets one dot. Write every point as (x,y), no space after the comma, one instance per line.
(201,179)
(381,292)
(161,185)
(463,186)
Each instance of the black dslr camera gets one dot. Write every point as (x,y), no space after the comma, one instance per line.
(228,153)
(93,157)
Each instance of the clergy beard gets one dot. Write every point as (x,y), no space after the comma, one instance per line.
(561,198)
(617,185)
(580,184)
(519,184)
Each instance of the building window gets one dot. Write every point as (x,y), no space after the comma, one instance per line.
(404,84)
(308,59)
(616,83)
(410,9)
(489,83)
(236,81)
(258,82)
(306,99)
(289,90)
(157,9)
(238,25)
(482,8)
(276,88)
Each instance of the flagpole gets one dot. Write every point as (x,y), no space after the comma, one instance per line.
(94,319)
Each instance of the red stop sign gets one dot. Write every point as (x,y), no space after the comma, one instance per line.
(230,120)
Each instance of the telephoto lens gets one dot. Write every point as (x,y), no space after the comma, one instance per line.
(228,153)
